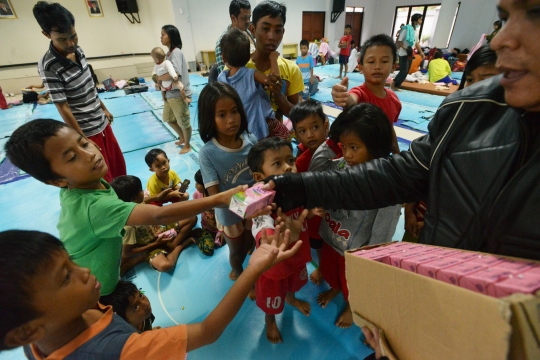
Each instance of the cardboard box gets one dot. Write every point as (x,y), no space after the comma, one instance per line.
(424,318)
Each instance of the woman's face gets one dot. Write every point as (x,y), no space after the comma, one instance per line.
(165,39)
(518,52)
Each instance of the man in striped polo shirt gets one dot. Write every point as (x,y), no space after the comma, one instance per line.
(67,76)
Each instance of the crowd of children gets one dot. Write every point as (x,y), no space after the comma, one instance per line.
(105,229)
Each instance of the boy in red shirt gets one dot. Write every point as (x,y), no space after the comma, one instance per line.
(377,61)
(345,46)
(273,156)
(315,153)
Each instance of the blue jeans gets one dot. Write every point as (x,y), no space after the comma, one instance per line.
(404,65)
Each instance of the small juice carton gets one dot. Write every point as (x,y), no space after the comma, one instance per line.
(431,268)
(515,265)
(453,274)
(246,203)
(412,263)
(487,260)
(397,258)
(465,256)
(483,281)
(526,283)
(167,234)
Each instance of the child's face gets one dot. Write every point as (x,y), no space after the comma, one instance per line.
(156,59)
(347,31)
(276,162)
(378,64)
(354,150)
(161,166)
(77,161)
(62,292)
(303,50)
(138,310)
(312,131)
(227,117)
(200,188)
(481,73)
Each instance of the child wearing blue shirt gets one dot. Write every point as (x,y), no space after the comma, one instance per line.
(306,65)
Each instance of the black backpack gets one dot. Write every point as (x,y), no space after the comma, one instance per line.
(29,97)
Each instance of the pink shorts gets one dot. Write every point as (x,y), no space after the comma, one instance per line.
(270,293)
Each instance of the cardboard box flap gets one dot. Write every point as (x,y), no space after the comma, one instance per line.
(422,317)
(526,322)
(385,347)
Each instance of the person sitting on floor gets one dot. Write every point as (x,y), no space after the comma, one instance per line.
(439,70)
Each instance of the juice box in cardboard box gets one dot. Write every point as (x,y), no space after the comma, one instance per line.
(424,318)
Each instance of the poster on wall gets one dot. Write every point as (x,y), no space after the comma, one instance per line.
(94,8)
(6,10)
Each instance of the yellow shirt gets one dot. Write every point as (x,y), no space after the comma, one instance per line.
(291,76)
(438,69)
(155,186)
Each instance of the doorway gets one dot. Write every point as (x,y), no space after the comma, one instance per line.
(355,16)
(313,25)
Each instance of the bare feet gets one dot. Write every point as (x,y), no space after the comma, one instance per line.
(394,87)
(326,296)
(185,150)
(272,332)
(233,275)
(180,142)
(345,320)
(301,305)
(252,294)
(316,277)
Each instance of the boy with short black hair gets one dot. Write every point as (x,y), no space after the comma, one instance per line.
(248,83)
(345,46)
(92,217)
(163,178)
(53,306)
(315,153)
(132,305)
(149,243)
(377,61)
(306,64)
(273,156)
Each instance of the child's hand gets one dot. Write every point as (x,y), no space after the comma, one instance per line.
(318,211)
(294,225)
(274,85)
(163,194)
(340,95)
(372,340)
(271,252)
(274,55)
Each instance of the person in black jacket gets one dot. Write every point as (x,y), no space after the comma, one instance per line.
(477,168)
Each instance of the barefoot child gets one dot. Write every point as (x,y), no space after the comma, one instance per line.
(92,217)
(365,134)
(377,61)
(273,156)
(144,242)
(54,308)
(315,153)
(223,159)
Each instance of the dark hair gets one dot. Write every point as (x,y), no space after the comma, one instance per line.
(19,264)
(207,109)
(174,36)
(119,298)
(304,42)
(458,50)
(25,148)
(348,26)
(235,47)
(151,156)
(481,57)
(53,15)
(304,109)
(127,187)
(199,180)
(255,158)
(269,8)
(416,17)
(237,5)
(498,24)
(370,124)
(352,43)
(438,54)
(378,40)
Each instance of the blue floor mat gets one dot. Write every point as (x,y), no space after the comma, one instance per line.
(328,70)
(196,79)
(140,131)
(12,118)
(457,75)
(422,126)
(416,113)
(153,98)
(127,105)
(419,98)
(112,94)
(324,94)
(193,115)
(48,111)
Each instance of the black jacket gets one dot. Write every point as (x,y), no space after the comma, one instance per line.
(473,168)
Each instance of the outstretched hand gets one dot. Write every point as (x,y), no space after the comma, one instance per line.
(292,224)
(340,95)
(272,251)
(225,196)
